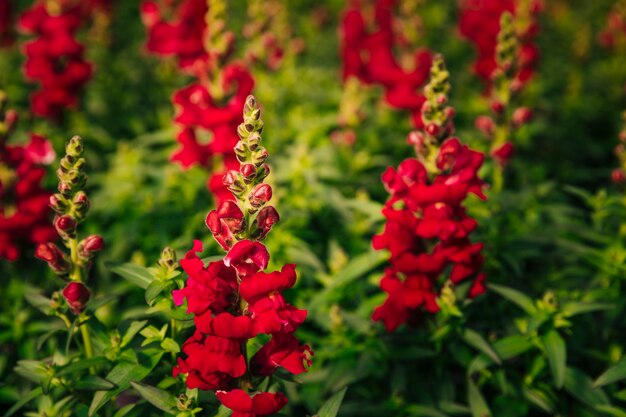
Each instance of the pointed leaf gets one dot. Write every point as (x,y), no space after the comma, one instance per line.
(37,392)
(516,297)
(557,356)
(136,274)
(581,387)
(154,289)
(122,375)
(478,405)
(615,373)
(82,364)
(572,309)
(159,398)
(133,329)
(94,383)
(331,407)
(611,410)
(476,340)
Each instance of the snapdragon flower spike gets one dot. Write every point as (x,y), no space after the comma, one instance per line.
(55,59)
(234,300)
(506,83)
(618,175)
(480,23)
(369,56)
(24,211)
(427,230)
(71,205)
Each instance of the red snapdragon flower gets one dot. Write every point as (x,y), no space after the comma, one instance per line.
(54,58)
(24,213)
(234,299)
(369,56)
(480,23)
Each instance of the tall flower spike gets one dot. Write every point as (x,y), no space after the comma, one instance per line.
(71,205)
(427,228)
(234,300)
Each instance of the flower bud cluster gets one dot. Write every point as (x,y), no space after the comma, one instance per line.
(427,230)
(55,59)
(234,300)
(368,55)
(499,47)
(71,205)
(618,175)
(24,207)
(505,118)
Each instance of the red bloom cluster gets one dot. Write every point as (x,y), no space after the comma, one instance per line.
(55,58)
(6,23)
(211,105)
(427,228)
(369,56)
(200,111)
(234,300)
(614,32)
(181,37)
(24,207)
(480,23)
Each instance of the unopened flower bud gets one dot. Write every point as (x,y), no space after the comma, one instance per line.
(449,112)
(58,203)
(521,116)
(432,129)
(260,157)
(263,172)
(88,247)
(267,217)
(232,180)
(416,139)
(442,99)
(253,141)
(249,172)
(622,136)
(497,107)
(241,151)
(485,124)
(618,176)
(65,225)
(10,119)
(64,188)
(261,194)
(503,154)
(56,259)
(168,259)
(77,295)
(74,147)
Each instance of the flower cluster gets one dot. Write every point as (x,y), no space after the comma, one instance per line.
(619,174)
(6,23)
(71,205)
(55,58)
(369,56)
(505,118)
(208,108)
(427,228)
(480,23)
(234,299)
(613,35)
(182,36)
(23,201)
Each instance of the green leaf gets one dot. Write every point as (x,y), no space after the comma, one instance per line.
(615,373)
(572,309)
(539,399)
(516,297)
(611,410)
(477,341)
(136,274)
(423,411)
(331,406)
(506,348)
(122,375)
(159,398)
(170,345)
(133,329)
(82,364)
(581,387)
(478,405)
(37,392)
(93,383)
(154,289)
(557,356)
